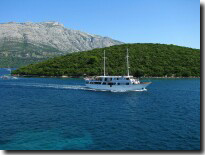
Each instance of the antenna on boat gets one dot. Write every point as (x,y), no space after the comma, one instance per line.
(104,62)
(128,72)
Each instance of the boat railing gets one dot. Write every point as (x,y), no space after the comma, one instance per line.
(92,79)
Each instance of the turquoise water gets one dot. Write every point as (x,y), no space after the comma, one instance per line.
(61,114)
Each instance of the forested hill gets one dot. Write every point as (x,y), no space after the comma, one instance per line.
(145,60)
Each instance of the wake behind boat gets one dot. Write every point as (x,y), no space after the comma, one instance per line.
(116,83)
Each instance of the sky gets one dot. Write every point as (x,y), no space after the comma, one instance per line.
(131,21)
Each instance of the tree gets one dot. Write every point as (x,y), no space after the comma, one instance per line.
(138,73)
(92,60)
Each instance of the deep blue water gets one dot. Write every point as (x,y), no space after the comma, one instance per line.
(60,114)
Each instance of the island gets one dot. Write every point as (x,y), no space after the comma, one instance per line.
(146,60)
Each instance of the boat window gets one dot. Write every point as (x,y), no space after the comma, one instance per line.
(104,83)
(127,78)
(118,83)
(87,82)
(114,83)
(117,78)
(127,83)
(97,82)
(105,79)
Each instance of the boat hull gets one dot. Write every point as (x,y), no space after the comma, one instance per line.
(133,87)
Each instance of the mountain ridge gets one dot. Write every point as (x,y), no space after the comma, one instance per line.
(17,38)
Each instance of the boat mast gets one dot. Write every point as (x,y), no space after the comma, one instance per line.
(128,72)
(104,62)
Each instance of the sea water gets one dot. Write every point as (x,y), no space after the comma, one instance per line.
(62,114)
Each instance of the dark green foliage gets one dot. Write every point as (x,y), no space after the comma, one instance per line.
(145,60)
(92,60)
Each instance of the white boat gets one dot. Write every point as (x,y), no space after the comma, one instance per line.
(8,76)
(116,83)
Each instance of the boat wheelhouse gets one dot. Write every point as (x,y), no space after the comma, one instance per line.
(116,83)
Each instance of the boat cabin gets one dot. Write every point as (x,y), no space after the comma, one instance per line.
(112,80)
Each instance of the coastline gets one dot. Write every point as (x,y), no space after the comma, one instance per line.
(64,76)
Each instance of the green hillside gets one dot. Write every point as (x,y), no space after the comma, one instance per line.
(145,60)
(17,54)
